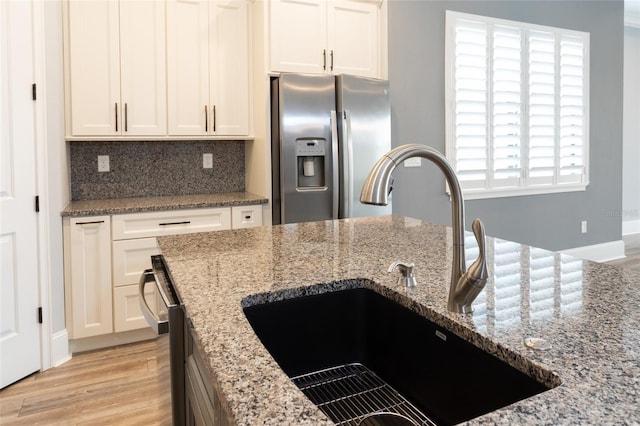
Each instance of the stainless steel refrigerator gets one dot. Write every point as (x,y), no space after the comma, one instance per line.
(326,134)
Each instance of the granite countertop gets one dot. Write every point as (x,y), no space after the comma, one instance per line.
(587,311)
(171,202)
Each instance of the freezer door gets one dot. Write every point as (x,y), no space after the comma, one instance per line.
(308,148)
(364,118)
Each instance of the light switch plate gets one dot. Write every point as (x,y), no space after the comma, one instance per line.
(103,163)
(413,162)
(207,161)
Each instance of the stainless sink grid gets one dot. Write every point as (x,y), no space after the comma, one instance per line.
(349,393)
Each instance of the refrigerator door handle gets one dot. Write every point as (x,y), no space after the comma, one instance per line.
(348,165)
(335,168)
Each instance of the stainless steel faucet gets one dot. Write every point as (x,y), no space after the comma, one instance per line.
(465,285)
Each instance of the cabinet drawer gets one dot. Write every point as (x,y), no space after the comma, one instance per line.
(246,216)
(130,258)
(153,224)
(126,307)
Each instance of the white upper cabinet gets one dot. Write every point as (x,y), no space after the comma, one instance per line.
(208,67)
(116,68)
(319,36)
(143,79)
(353,37)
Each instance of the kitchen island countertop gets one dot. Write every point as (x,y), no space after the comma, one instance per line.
(169,202)
(587,311)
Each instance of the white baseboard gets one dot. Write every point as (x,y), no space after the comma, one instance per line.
(630,227)
(60,348)
(598,252)
(109,340)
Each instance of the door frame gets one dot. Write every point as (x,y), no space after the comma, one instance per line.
(49,355)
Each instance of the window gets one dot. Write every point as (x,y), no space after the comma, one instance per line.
(517,116)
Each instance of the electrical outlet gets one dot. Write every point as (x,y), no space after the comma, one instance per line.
(103,163)
(207,161)
(413,162)
(583,226)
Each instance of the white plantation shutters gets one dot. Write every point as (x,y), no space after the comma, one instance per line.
(517,111)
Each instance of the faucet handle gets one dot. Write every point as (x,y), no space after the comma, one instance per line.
(472,282)
(478,231)
(407,276)
(477,272)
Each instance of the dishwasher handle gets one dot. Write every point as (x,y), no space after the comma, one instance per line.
(159,325)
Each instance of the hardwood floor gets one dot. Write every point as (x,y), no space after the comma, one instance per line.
(124,385)
(632,253)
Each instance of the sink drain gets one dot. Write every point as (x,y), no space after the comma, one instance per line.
(352,395)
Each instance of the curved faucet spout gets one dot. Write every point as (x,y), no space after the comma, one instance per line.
(465,286)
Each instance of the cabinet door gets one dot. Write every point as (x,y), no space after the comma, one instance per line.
(90,261)
(298,36)
(142,68)
(229,67)
(188,67)
(126,307)
(94,68)
(354,37)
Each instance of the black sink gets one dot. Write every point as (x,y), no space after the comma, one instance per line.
(448,379)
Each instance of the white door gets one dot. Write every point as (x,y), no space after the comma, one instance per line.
(19,327)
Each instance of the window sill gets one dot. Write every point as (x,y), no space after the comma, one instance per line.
(479,194)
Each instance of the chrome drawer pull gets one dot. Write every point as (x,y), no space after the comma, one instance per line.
(186,222)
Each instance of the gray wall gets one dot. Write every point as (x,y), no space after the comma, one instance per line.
(416,75)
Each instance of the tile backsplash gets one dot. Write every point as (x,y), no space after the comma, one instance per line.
(145,169)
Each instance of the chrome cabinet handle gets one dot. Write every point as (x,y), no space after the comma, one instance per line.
(206,119)
(331,60)
(116,108)
(214,119)
(125,117)
(324,59)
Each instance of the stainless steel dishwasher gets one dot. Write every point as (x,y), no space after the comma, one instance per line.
(170,318)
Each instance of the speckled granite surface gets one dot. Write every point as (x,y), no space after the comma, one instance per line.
(154,168)
(587,311)
(146,204)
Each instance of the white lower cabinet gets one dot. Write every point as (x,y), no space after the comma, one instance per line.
(89,296)
(105,257)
